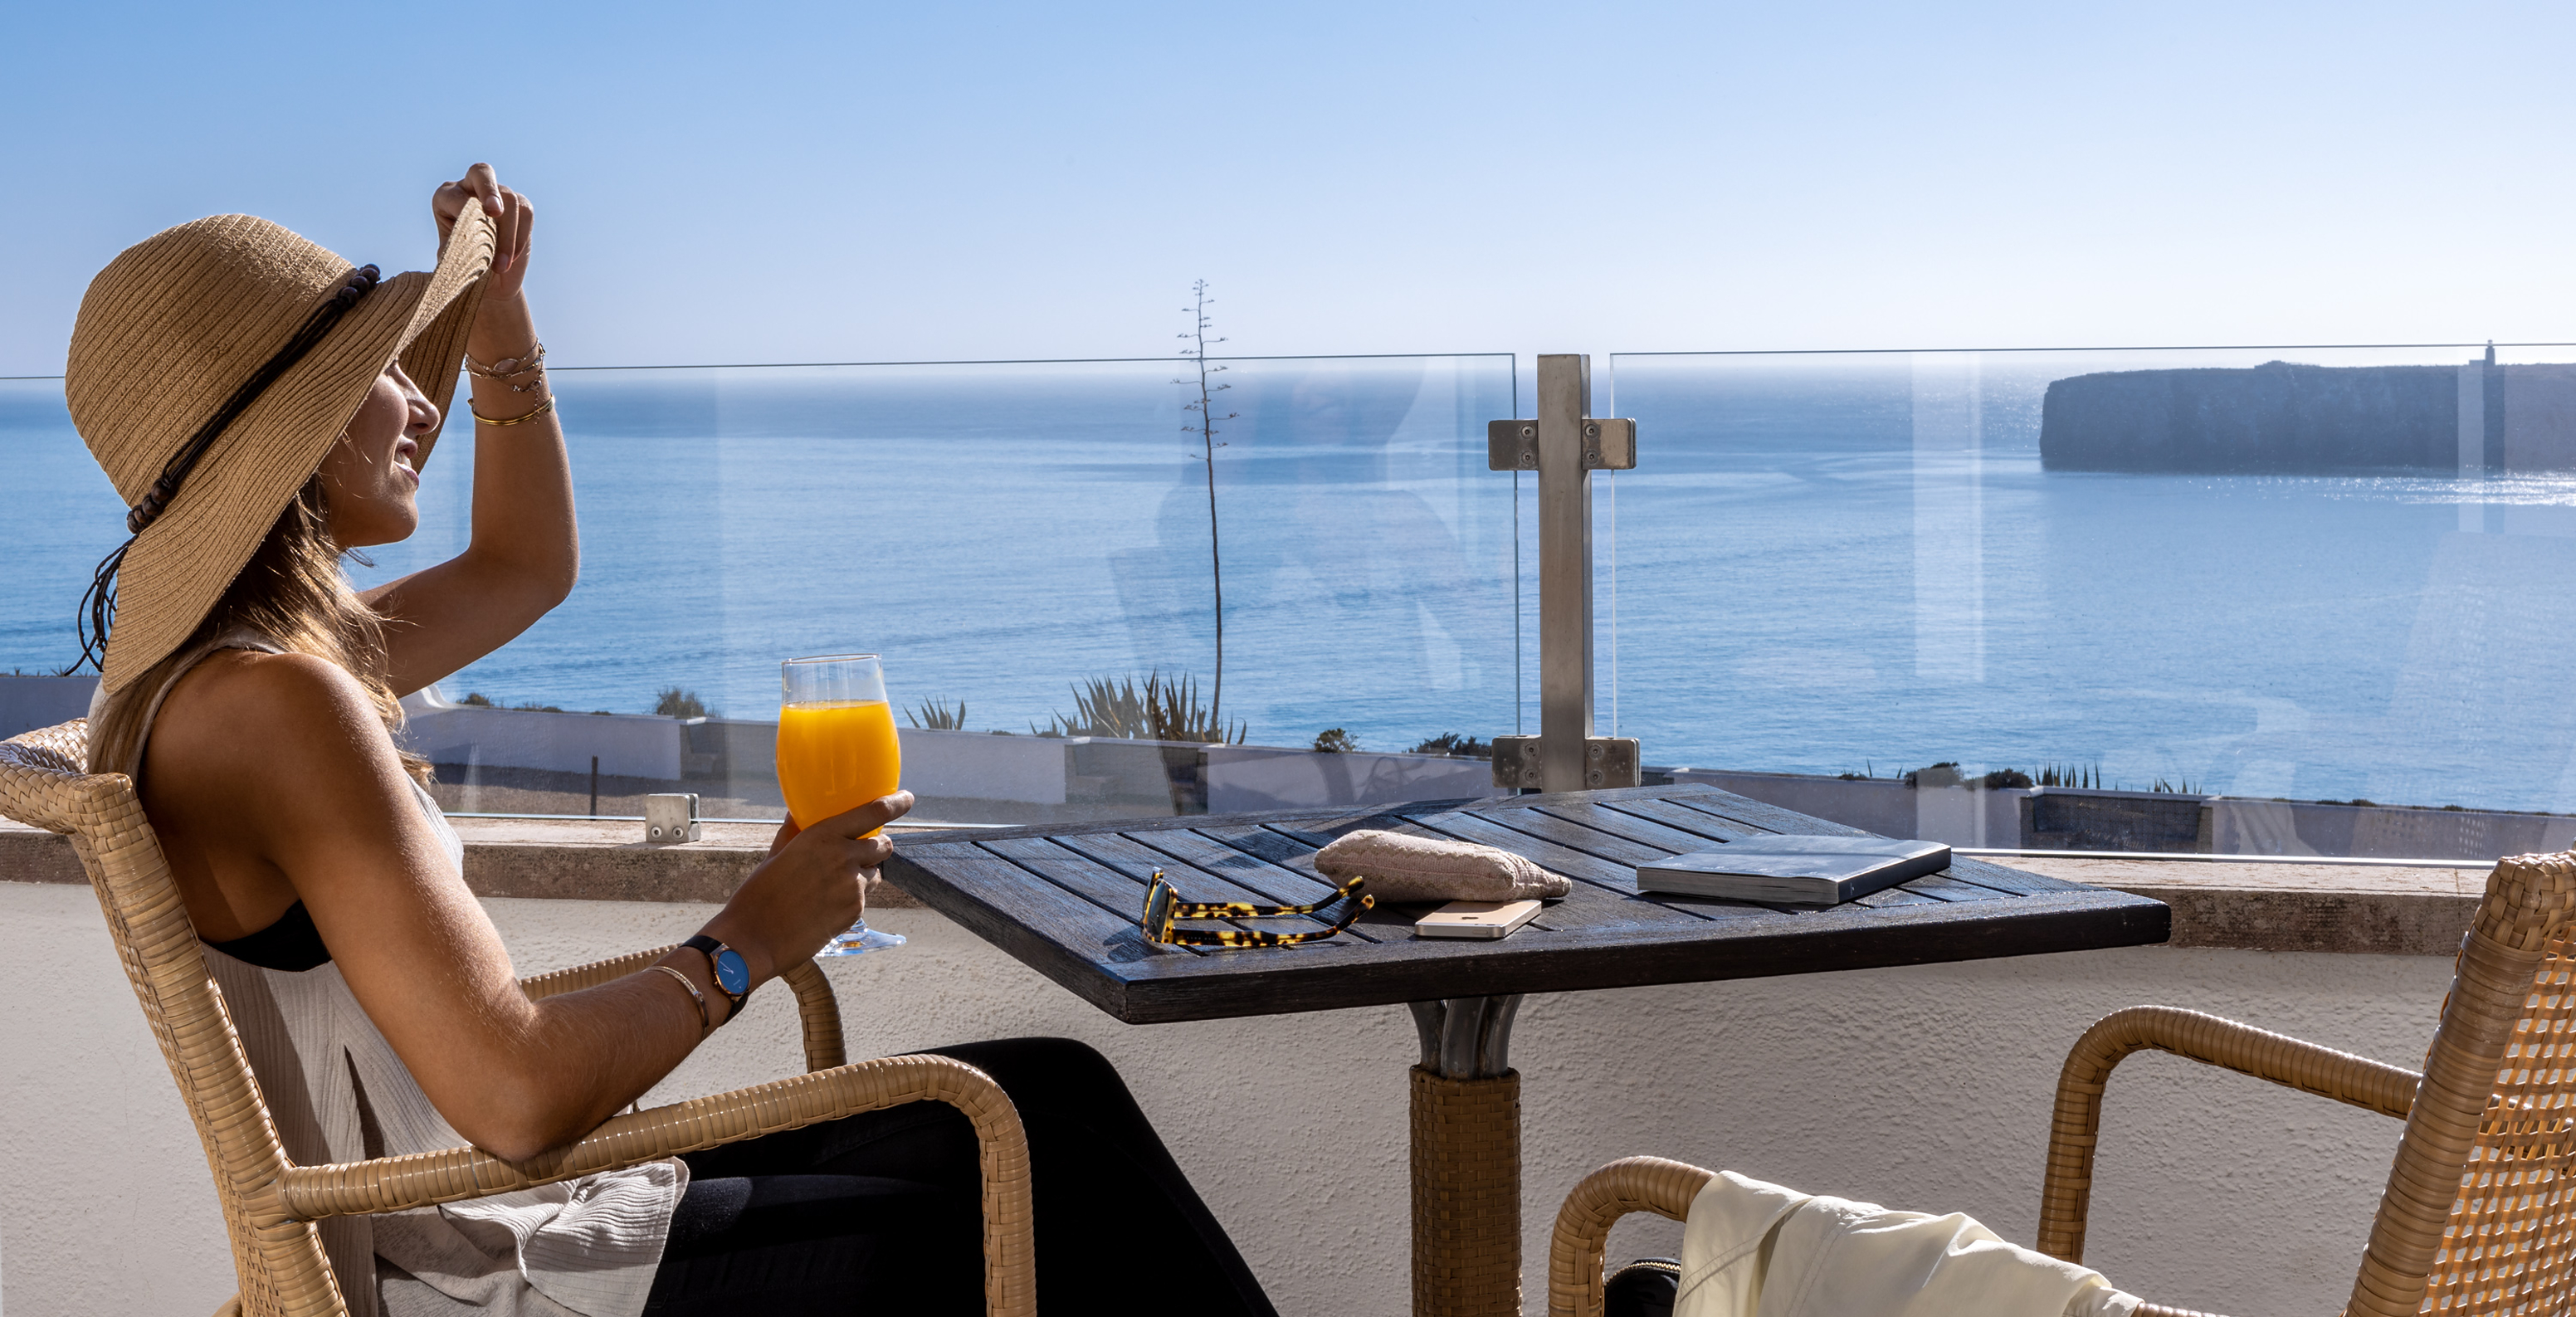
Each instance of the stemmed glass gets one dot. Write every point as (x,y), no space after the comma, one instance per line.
(837,750)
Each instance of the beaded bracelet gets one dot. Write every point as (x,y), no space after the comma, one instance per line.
(507,368)
(534,360)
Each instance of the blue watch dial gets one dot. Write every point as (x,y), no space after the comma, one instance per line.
(732,974)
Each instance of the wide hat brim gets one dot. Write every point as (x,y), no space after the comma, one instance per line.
(181,564)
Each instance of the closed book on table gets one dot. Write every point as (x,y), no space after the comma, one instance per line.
(1815,871)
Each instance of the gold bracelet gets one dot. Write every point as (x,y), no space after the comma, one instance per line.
(522,419)
(705,1025)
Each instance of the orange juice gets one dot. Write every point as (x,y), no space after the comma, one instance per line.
(836,755)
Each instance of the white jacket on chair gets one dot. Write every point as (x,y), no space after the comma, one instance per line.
(1758,1250)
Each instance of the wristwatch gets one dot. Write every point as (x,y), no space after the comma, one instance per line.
(732,973)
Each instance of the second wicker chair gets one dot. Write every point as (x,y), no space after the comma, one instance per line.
(2479,1214)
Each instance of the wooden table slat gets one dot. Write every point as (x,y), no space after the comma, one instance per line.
(1947,887)
(1851,936)
(1901,894)
(2009,881)
(1663,837)
(1319,830)
(1768,818)
(1279,883)
(1599,843)
(1112,892)
(1680,818)
(1267,845)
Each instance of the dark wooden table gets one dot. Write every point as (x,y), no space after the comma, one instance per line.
(1065,900)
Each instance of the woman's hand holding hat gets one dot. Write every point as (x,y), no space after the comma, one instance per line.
(512,220)
(504,334)
(524,554)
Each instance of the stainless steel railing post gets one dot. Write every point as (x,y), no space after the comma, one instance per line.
(1564,444)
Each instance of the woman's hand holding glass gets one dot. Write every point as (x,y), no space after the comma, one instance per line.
(811,889)
(837,745)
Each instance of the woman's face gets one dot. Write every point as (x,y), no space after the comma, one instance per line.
(370,473)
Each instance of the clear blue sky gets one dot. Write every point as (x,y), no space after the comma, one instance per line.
(844,181)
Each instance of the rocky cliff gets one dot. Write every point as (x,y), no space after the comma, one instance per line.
(2273,417)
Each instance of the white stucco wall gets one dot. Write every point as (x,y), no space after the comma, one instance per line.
(1926,1087)
(626,744)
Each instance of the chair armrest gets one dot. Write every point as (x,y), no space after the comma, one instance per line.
(2066,1195)
(815,1004)
(1631,1184)
(393,1184)
(1642,1184)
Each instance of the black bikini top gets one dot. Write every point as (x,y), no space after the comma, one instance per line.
(292,944)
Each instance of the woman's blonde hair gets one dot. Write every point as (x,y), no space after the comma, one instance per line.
(294,593)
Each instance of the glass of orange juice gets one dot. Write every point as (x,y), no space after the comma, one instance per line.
(837,750)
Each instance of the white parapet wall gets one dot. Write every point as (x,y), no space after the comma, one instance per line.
(1954,815)
(2301,827)
(1925,1087)
(624,744)
(982,766)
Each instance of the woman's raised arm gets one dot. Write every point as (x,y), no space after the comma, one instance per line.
(525,552)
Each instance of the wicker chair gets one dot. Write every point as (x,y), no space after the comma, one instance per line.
(270,1204)
(2479,1215)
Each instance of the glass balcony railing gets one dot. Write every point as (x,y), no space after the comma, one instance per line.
(2274,575)
(61,517)
(2268,600)
(1003,533)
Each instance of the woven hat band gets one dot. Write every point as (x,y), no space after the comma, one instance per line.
(360,282)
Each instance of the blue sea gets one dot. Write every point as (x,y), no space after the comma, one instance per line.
(1825,563)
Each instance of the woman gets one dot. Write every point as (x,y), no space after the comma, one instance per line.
(263,409)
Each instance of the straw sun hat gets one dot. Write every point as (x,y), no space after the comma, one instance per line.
(180,330)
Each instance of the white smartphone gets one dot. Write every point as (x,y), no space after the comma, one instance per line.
(1486,919)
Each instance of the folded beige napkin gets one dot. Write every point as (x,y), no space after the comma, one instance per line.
(1401,868)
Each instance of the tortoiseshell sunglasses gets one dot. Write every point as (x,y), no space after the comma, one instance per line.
(1163,906)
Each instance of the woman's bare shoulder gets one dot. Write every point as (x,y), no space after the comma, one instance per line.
(271,779)
(299,721)
(250,690)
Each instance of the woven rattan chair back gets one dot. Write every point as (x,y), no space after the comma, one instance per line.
(2477,1217)
(43,782)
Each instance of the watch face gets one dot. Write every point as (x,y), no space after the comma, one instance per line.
(732,974)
